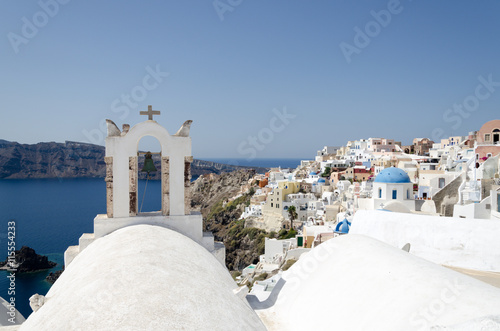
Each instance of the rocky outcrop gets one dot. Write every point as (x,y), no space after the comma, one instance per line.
(53,276)
(206,191)
(74,159)
(210,195)
(26,260)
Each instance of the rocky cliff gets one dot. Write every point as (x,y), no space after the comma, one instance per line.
(74,159)
(211,195)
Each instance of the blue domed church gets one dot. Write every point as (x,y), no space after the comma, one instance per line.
(392,190)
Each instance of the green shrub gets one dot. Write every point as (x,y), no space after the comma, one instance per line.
(236,228)
(287,234)
(262,276)
(235,274)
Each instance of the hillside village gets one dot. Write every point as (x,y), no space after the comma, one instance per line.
(456,177)
(373,235)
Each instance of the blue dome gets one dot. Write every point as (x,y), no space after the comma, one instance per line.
(392,175)
(321,180)
(312,173)
(343,227)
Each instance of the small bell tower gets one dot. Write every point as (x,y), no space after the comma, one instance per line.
(122,185)
(122,167)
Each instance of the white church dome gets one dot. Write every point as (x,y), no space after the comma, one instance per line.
(144,278)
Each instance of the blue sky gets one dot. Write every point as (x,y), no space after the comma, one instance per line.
(232,76)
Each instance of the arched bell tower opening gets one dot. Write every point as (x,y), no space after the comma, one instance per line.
(149,175)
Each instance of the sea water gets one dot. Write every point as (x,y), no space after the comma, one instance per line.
(52,214)
(49,216)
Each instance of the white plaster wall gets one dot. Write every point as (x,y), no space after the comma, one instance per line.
(473,210)
(366,203)
(189,225)
(431,179)
(464,211)
(428,207)
(273,247)
(402,189)
(296,253)
(144,278)
(459,242)
(358,283)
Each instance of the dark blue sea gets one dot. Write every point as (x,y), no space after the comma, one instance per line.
(52,214)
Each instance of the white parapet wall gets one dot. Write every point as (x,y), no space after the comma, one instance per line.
(459,242)
(189,225)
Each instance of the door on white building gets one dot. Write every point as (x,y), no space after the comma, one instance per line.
(498,202)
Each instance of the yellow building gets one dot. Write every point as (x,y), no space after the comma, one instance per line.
(274,203)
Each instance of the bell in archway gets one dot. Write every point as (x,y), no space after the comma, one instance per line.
(149,165)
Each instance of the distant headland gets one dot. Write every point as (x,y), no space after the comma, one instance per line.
(76,160)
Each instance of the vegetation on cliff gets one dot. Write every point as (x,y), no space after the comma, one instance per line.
(243,245)
(211,195)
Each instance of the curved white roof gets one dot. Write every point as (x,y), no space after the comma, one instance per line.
(144,278)
(354,282)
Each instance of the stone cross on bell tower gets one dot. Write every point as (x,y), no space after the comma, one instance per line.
(150,113)
(122,167)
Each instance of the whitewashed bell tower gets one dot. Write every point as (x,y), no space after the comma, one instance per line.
(121,160)
(122,167)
